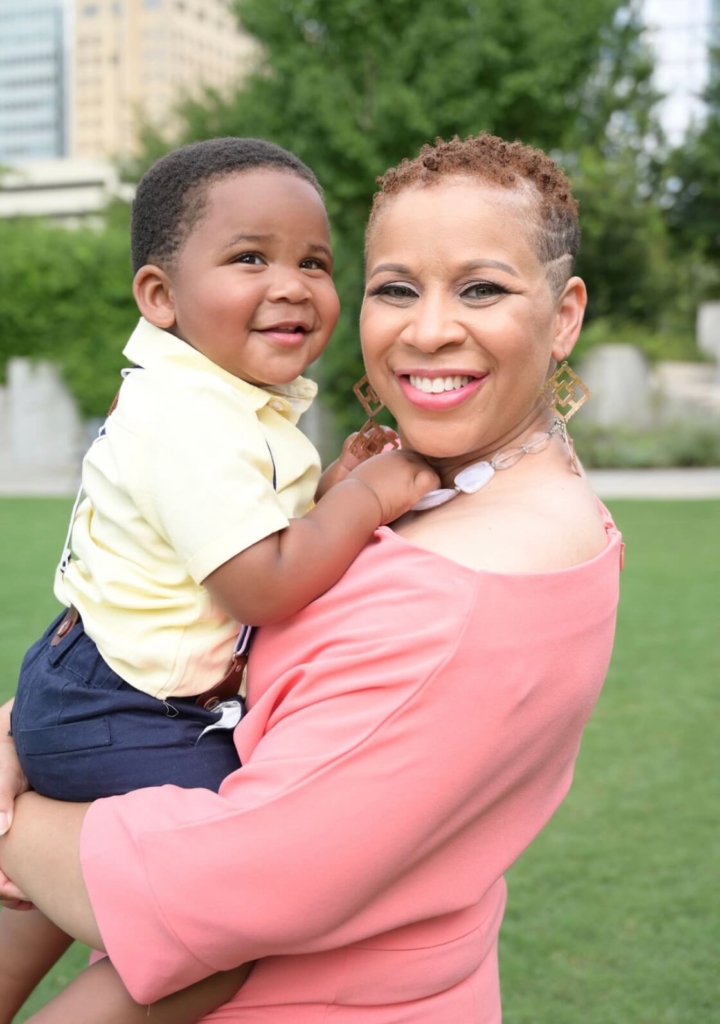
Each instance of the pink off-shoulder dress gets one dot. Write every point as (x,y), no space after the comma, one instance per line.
(410,733)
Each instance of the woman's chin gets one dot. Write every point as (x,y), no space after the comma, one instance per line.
(433,444)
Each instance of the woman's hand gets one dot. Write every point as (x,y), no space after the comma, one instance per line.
(13,781)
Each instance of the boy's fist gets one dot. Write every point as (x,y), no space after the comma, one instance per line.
(398,479)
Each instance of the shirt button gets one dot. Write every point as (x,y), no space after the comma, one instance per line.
(277,406)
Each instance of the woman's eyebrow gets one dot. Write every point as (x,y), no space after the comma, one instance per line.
(394,268)
(478,264)
(399,268)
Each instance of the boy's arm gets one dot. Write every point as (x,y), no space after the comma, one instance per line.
(287,570)
(98,996)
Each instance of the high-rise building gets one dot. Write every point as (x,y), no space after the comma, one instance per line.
(681,35)
(134,60)
(32,86)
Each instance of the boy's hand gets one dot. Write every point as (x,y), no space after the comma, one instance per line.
(398,480)
(346,463)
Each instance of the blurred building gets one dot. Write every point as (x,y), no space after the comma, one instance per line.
(135,59)
(65,191)
(32,85)
(681,35)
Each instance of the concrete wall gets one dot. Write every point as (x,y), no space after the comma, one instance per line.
(42,437)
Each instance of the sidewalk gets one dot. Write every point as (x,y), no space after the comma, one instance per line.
(607,483)
(655,483)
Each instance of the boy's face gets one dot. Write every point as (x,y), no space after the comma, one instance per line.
(251,286)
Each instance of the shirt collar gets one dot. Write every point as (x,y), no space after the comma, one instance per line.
(150,346)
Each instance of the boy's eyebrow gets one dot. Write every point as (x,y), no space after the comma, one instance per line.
(313,247)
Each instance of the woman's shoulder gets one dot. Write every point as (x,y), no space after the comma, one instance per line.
(534,526)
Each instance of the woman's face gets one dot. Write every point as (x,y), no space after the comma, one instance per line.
(459,324)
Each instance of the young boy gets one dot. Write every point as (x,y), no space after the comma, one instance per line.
(198,516)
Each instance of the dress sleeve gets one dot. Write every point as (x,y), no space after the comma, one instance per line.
(338,796)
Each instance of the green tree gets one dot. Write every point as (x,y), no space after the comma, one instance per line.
(354,87)
(66,295)
(693,182)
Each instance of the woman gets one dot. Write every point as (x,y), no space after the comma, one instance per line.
(413,729)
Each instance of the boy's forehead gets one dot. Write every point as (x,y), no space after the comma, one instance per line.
(260,202)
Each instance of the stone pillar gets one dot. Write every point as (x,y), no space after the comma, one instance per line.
(619,377)
(42,437)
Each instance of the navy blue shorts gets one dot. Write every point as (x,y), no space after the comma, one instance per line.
(82,733)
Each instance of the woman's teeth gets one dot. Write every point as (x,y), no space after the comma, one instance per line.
(435,385)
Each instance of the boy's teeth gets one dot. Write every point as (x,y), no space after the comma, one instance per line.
(435,385)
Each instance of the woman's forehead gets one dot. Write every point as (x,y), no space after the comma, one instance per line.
(456,216)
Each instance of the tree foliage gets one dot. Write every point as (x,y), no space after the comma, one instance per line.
(66,295)
(694,182)
(353,88)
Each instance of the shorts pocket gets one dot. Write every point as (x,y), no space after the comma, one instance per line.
(65,737)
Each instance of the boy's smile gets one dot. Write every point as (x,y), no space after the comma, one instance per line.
(251,287)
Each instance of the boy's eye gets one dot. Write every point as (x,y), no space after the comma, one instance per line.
(253,258)
(313,263)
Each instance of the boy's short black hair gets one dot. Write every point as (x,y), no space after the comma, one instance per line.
(171,195)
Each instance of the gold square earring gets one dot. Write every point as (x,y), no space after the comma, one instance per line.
(371,438)
(565,392)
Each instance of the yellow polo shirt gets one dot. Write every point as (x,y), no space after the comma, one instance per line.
(181,482)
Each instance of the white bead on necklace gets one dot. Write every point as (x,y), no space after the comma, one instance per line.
(473,478)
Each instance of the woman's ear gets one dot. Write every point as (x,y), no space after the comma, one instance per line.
(569,317)
(154,297)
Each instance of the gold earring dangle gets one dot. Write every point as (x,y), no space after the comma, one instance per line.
(565,392)
(371,438)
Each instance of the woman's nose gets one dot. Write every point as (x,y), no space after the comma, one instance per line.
(432,325)
(288,284)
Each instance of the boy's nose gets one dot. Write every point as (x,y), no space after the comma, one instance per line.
(288,285)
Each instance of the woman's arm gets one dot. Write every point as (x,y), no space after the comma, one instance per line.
(97,996)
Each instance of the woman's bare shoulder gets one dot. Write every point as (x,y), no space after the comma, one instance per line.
(550,526)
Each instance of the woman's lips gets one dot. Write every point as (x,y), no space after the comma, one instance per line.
(415,390)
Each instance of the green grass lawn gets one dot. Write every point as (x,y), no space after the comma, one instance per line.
(614,913)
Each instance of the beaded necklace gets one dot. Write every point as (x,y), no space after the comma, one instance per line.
(473,478)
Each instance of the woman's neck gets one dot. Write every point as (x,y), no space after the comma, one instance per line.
(537,422)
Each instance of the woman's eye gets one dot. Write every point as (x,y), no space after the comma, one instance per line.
(395,291)
(483,290)
(253,258)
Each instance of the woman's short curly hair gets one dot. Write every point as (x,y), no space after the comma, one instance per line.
(509,165)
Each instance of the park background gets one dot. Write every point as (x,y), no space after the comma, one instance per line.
(613,913)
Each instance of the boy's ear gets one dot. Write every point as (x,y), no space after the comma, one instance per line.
(569,317)
(153,294)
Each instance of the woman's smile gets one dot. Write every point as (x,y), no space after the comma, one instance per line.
(439,389)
